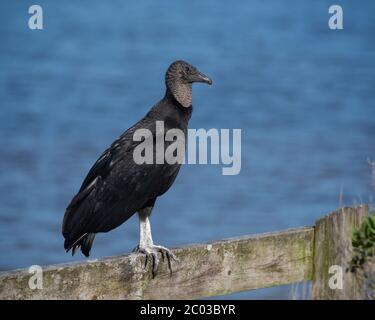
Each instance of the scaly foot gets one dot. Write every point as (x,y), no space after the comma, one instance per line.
(151,253)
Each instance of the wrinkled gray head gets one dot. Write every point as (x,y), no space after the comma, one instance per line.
(179,79)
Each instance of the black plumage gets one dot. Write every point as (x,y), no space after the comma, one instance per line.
(116,187)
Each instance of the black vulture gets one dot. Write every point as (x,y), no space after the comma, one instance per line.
(116,186)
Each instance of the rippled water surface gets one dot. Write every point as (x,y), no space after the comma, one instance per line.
(302,94)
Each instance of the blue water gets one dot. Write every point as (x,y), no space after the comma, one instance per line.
(302,94)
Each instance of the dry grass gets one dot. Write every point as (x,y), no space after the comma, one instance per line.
(301,291)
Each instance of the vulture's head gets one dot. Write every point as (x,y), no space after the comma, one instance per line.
(179,79)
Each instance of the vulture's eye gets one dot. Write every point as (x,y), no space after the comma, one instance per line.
(187,69)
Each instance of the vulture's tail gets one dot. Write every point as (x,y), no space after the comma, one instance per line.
(84,242)
(77,217)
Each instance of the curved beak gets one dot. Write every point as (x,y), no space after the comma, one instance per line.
(200,77)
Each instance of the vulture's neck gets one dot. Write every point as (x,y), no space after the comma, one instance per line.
(182,92)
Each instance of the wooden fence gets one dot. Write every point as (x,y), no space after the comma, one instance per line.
(211,269)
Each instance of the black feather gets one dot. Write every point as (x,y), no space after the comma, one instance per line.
(116,187)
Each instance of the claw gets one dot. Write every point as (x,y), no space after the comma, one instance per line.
(173,256)
(151,253)
(169,264)
(155,264)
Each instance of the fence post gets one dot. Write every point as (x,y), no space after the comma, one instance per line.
(332,254)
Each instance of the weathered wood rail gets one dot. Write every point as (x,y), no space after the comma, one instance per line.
(210,269)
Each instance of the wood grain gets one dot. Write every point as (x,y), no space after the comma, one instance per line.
(208,269)
(333,247)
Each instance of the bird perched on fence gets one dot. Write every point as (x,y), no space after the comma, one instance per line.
(117,186)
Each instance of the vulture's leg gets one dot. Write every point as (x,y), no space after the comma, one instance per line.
(147,246)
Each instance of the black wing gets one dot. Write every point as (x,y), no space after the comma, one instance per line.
(115,188)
